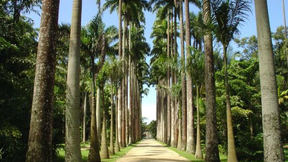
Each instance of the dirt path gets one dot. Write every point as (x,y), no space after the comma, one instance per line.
(151,150)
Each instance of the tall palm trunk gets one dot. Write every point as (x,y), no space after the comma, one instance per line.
(131,102)
(183,83)
(84,118)
(119,115)
(117,147)
(130,86)
(190,111)
(168,83)
(120,87)
(231,143)
(136,109)
(125,90)
(72,140)
(173,125)
(198,153)
(284,17)
(164,107)
(139,112)
(123,110)
(104,154)
(176,101)
(112,150)
(134,102)
(98,113)
(157,114)
(93,155)
(273,147)
(285,28)
(212,152)
(40,133)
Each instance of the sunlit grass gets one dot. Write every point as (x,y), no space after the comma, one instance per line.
(190,157)
(223,158)
(61,153)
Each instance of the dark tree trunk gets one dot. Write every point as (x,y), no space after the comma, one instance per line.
(212,152)
(40,133)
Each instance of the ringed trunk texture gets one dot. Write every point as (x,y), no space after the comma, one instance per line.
(72,140)
(273,147)
(123,115)
(198,153)
(84,118)
(93,155)
(173,103)
(112,150)
(284,18)
(98,112)
(104,154)
(176,101)
(190,111)
(168,84)
(119,113)
(212,152)
(183,84)
(117,147)
(130,86)
(40,133)
(232,156)
(120,56)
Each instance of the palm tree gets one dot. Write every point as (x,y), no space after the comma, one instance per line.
(183,111)
(139,69)
(164,10)
(284,17)
(159,51)
(97,41)
(228,15)
(40,133)
(115,75)
(196,68)
(190,111)
(212,152)
(120,53)
(101,79)
(72,140)
(273,147)
(130,12)
(285,28)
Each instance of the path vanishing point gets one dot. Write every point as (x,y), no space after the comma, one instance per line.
(150,150)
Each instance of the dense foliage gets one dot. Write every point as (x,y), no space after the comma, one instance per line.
(103,69)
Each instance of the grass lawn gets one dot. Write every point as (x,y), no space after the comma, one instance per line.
(223,158)
(85,150)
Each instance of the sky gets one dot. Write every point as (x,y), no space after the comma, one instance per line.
(89,10)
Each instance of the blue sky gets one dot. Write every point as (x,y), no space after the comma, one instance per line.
(149,102)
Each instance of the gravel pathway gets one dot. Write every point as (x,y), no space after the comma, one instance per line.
(151,151)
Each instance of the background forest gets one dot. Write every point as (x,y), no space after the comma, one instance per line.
(111,84)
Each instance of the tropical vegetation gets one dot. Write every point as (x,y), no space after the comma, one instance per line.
(66,83)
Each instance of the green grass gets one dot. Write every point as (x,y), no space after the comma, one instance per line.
(190,157)
(113,158)
(223,158)
(61,154)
